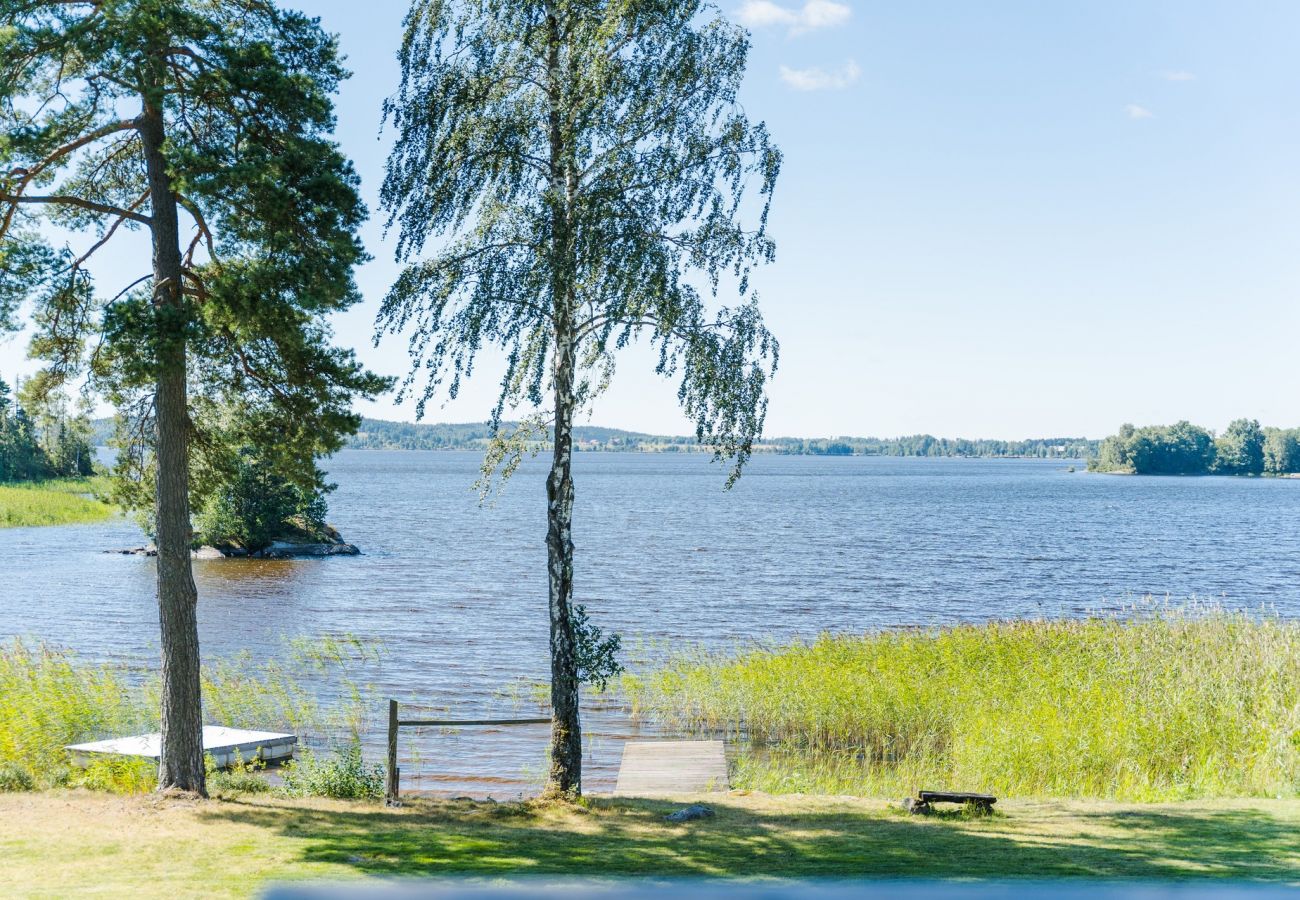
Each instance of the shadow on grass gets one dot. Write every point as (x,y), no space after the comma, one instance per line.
(630,838)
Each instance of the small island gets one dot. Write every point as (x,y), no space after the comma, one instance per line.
(254,512)
(1244,448)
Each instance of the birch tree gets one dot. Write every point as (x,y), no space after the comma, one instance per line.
(569,177)
(203,123)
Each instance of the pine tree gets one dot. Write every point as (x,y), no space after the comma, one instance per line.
(205,123)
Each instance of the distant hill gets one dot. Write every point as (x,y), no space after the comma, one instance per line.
(380,434)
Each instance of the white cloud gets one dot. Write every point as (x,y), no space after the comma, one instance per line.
(812,15)
(1177,75)
(1133,111)
(818,79)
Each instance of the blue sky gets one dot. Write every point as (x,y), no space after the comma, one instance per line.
(996,219)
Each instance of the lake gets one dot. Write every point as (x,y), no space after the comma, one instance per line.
(455,592)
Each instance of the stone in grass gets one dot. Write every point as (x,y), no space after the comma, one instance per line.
(690,814)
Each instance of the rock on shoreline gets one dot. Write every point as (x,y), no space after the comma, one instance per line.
(333,545)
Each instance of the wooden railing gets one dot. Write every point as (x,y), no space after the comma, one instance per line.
(392,790)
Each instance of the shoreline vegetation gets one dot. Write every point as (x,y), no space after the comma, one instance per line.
(61,501)
(1157,745)
(1163,705)
(50,698)
(1244,448)
(377,434)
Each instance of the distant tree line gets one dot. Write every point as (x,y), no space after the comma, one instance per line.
(377,434)
(1244,448)
(42,440)
(928,445)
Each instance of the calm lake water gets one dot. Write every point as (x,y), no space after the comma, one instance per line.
(456,593)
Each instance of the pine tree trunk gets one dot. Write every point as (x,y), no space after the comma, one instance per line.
(181,760)
(566,727)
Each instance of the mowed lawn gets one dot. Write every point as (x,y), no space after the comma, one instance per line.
(58,843)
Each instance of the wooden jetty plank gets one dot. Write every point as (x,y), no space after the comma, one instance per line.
(664,768)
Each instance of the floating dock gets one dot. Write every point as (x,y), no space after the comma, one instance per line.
(665,768)
(226,746)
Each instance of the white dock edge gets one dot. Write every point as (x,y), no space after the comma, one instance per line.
(224,745)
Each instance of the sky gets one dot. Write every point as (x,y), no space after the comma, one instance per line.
(1002,219)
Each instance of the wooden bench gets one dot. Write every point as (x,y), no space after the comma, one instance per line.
(924,801)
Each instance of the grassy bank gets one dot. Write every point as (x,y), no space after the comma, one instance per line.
(1173,705)
(61,843)
(65,501)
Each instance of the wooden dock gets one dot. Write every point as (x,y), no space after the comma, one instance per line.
(665,768)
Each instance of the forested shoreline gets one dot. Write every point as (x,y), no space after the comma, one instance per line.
(42,439)
(379,434)
(1244,448)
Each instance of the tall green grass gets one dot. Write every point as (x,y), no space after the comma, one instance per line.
(1161,705)
(49,699)
(64,501)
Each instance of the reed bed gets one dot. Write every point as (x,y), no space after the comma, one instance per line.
(1158,705)
(64,501)
(49,698)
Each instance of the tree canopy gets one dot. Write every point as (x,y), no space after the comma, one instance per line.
(245,89)
(47,442)
(593,146)
(586,169)
(120,115)
(1244,448)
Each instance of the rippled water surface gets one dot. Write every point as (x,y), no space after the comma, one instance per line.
(456,592)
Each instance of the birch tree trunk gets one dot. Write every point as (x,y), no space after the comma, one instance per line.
(181,759)
(566,728)
(565,775)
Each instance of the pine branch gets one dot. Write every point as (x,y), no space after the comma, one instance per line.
(25,176)
(80,203)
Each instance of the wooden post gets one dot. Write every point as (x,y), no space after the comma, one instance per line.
(390,795)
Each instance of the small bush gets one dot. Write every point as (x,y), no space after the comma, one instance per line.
(343,776)
(14,778)
(254,505)
(117,775)
(240,779)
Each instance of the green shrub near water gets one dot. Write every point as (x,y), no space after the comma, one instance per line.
(1175,704)
(343,776)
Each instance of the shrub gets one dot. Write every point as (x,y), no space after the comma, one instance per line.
(342,776)
(15,778)
(117,775)
(239,779)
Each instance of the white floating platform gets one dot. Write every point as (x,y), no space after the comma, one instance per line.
(224,745)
